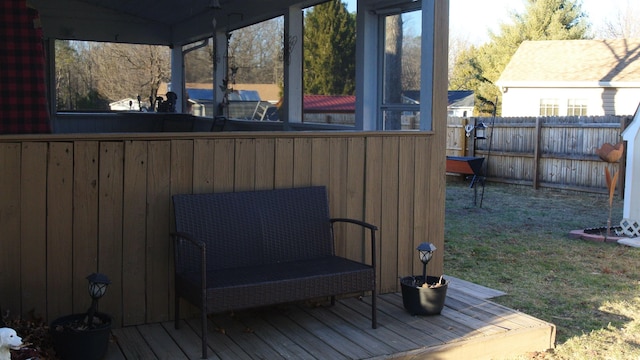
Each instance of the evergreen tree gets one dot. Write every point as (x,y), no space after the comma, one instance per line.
(541,20)
(329,50)
(466,70)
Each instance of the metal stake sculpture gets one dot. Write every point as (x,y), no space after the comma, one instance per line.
(610,154)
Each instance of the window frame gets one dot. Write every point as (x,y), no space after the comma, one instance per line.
(552,104)
(577,107)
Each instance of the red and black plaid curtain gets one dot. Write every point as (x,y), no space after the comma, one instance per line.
(23,101)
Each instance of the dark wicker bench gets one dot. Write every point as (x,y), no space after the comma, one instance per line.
(255,248)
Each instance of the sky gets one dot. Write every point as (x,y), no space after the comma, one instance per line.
(473,19)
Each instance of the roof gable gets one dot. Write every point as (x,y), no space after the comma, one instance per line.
(461,98)
(595,61)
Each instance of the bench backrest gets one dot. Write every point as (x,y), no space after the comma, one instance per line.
(257,227)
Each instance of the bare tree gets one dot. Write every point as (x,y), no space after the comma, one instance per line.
(124,70)
(256,51)
(198,62)
(69,87)
(411,48)
(623,25)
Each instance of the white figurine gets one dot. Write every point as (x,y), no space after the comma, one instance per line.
(9,339)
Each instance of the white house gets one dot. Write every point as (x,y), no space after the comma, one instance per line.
(460,103)
(572,78)
(128,104)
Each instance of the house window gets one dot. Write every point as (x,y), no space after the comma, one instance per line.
(549,107)
(577,107)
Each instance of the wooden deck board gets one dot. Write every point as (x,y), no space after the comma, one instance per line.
(419,337)
(245,338)
(469,326)
(478,291)
(333,337)
(484,309)
(302,337)
(187,339)
(273,336)
(397,341)
(443,329)
(132,343)
(225,347)
(362,335)
(161,342)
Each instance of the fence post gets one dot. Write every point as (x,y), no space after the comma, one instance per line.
(536,152)
(468,146)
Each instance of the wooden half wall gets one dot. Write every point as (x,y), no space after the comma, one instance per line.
(70,206)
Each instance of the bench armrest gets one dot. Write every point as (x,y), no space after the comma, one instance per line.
(372,231)
(354,221)
(190,255)
(184,236)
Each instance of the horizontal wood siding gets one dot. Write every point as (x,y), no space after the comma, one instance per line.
(70,207)
(609,100)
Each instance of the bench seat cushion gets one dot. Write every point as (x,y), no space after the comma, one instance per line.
(277,283)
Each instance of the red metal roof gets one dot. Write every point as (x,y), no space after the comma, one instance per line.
(329,103)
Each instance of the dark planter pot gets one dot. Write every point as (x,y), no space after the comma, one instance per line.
(423,300)
(72,344)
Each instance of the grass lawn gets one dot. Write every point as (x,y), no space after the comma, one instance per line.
(518,242)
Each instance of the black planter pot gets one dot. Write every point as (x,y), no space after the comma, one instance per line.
(72,344)
(423,300)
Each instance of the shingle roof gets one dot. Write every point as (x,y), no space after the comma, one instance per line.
(347,103)
(461,98)
(329,103)
(585,61)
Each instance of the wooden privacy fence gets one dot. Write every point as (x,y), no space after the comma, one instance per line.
(542,151)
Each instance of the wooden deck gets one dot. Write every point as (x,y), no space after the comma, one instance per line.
(470,326)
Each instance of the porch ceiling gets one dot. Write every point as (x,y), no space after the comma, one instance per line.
(162,22)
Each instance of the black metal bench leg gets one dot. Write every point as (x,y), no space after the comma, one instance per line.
(204,333)
(374,310)
(176,312)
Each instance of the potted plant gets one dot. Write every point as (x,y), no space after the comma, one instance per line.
(84,336)
(424,295)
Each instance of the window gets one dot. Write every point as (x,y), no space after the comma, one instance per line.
(549,107)
(198,77)
(255,71)
(93,76)
(329,64)
(400,105)
(576,107)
